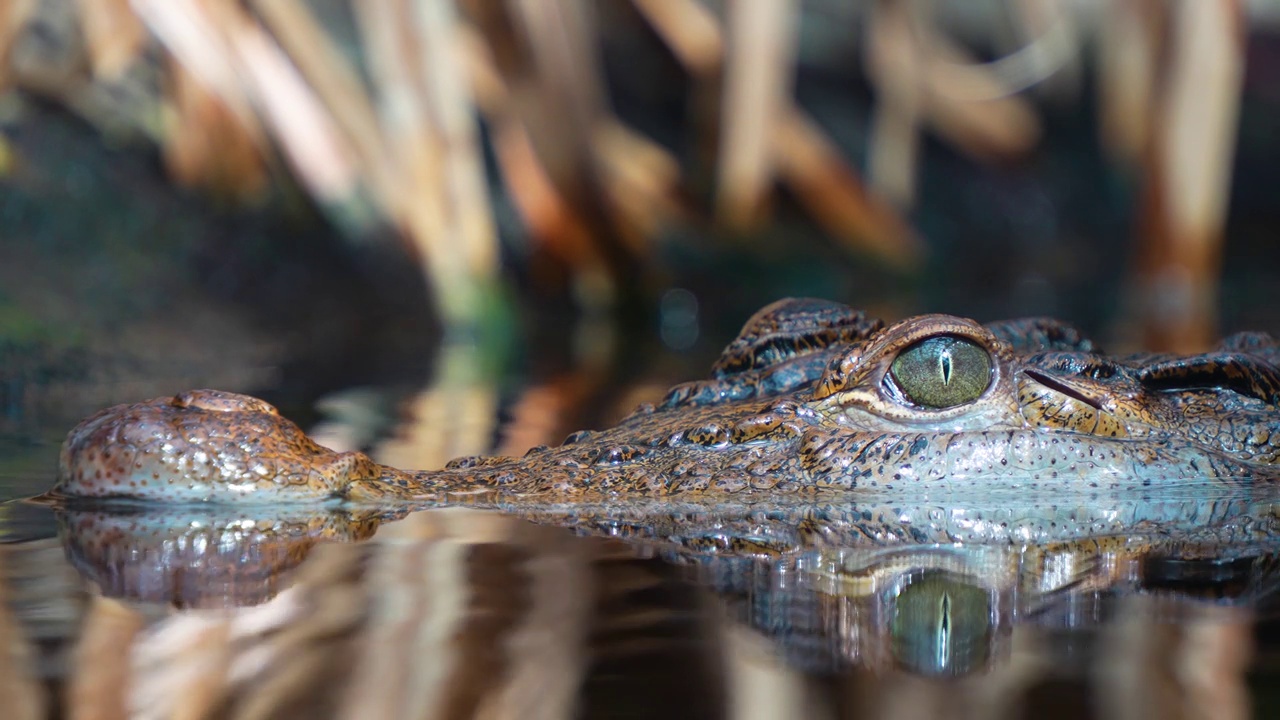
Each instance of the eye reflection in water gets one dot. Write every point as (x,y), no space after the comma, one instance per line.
(941,625)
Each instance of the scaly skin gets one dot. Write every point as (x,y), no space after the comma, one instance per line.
(800,404)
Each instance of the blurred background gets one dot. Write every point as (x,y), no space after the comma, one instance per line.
(456,226)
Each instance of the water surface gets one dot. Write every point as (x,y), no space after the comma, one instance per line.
(640,611)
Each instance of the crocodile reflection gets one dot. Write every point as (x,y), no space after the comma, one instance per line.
(928,608)
(200,559)
(472,611)
(949,612)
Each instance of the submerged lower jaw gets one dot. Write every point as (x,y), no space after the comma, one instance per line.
(1041,460)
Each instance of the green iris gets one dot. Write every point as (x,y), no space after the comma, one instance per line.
(941,626)
(942,372)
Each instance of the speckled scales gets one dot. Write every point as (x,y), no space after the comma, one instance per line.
(797,405)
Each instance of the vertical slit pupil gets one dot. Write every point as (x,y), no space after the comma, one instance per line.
(941,372)
(944,630)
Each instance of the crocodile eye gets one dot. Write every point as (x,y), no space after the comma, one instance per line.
(942,372)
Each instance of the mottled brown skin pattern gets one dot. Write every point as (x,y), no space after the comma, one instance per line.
(202,444)
(800,404)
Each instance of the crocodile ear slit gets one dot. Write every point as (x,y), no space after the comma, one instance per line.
(1240,372)
(1258,344)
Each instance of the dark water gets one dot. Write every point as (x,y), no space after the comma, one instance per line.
(807,610)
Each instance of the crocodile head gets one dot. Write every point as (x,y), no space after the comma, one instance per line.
(812,397)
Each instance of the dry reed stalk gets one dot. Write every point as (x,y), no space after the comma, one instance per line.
(562,100)
(403,120)
(417,153)
(579,191)
(335,82)
(834,194)
(311,143)
(1202,111)
(759,64)
(1188,175)
(689,29)
(693,34)
(114,37)
(805,158)
(487,85)
(1040,50)
(562,104)
(921,78)
(894,67)
(411,149)
(641,177)
(546,212)
(231,54)
(1053,42)
(21,694)
(203,143)
(548,216)
(13,18)
(1128,67)
(101,679)
(998,125)
(190,34)
(451,101)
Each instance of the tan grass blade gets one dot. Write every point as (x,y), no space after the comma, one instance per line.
(13,18)
(1189,173)
(1001,125)
(204,143)
(895,68)
(334,81)
(825,184)
(191,34)
(450,98)
(114,36)
(438,192)
(689,29)
(101,675)
(549,218)
(1128,56)
(757,90)
(21,693)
